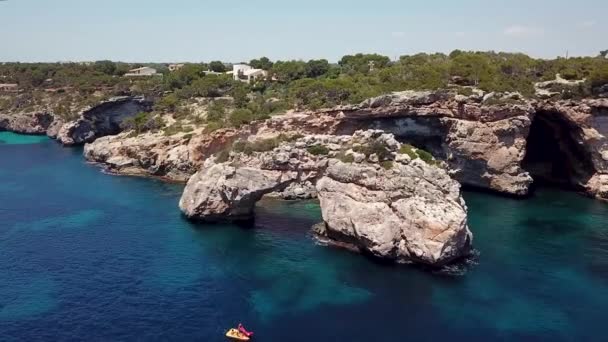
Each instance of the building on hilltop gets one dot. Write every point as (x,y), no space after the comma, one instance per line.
(9,87)
(143,71)
(247,73)
(175,67)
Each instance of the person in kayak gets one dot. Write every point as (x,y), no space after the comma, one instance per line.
(244,331)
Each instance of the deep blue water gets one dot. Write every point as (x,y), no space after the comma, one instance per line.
(88,256)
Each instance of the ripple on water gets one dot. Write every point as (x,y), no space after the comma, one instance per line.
(25,297)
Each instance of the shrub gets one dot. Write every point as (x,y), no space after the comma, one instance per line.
(387,164)
(426,157)
(375,147)
(265,145)
(213,126)
(318,150)
(465,91)
(222,156)
(346,158)
(240,117)
(142,122)
(409,150)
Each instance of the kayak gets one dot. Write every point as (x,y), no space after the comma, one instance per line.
(236,335)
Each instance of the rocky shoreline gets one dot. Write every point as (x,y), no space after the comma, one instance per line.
(379,194)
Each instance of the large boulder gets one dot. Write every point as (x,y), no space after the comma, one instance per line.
(149,154)
(412,212)
(222,192)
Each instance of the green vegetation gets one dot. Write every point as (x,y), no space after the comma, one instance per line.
(409,150)
(426,157)
(295,84)
(346,158)
(222,156)
(262,145)
(318,150)
(376,147)
(387,164)
(142,122)
(415,153)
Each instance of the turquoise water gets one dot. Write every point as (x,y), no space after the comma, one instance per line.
(88,256)
(20,139)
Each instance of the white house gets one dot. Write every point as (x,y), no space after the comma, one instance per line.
(246,73)
(175,67)
(143,71)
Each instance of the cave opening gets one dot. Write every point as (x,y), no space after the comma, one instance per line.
(554,156)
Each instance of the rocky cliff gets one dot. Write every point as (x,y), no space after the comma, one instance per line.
(26,123)
(100,120)
(489,141)
(376,195)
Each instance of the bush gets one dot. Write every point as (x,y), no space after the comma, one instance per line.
(240,117)
(409,150)
(318,150)
(387,164)
(213,126)
(465,91)
(167,103)
(265,145)
(142,122)
(375,147)
(222,156)
(346,158)
(427,157)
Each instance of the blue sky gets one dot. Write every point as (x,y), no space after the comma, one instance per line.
(238,30)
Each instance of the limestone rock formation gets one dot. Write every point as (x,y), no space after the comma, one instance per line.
(223,192)
(150,154)
(374,196)
(580,129)
(410,213)
(27,123)
(483,142)
(101,120)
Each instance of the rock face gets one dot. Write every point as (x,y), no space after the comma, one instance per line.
(150,154)
(486,139)
(378,200)
(222,192)
(101,120)
(27,123)
(483,144)
(581,131)
(410,213)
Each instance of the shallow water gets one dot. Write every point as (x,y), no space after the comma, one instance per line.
(87,256)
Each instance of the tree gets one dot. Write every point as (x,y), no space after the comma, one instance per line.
(262,63)
(317,67)
(217,66)
(106,67)
(184,76)
(604,53)
(289,71)
(364,63)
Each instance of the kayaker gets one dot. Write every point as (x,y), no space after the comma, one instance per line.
(244,331)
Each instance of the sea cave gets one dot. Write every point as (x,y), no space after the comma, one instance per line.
(554,155)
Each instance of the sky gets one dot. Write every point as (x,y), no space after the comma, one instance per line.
(239,30)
